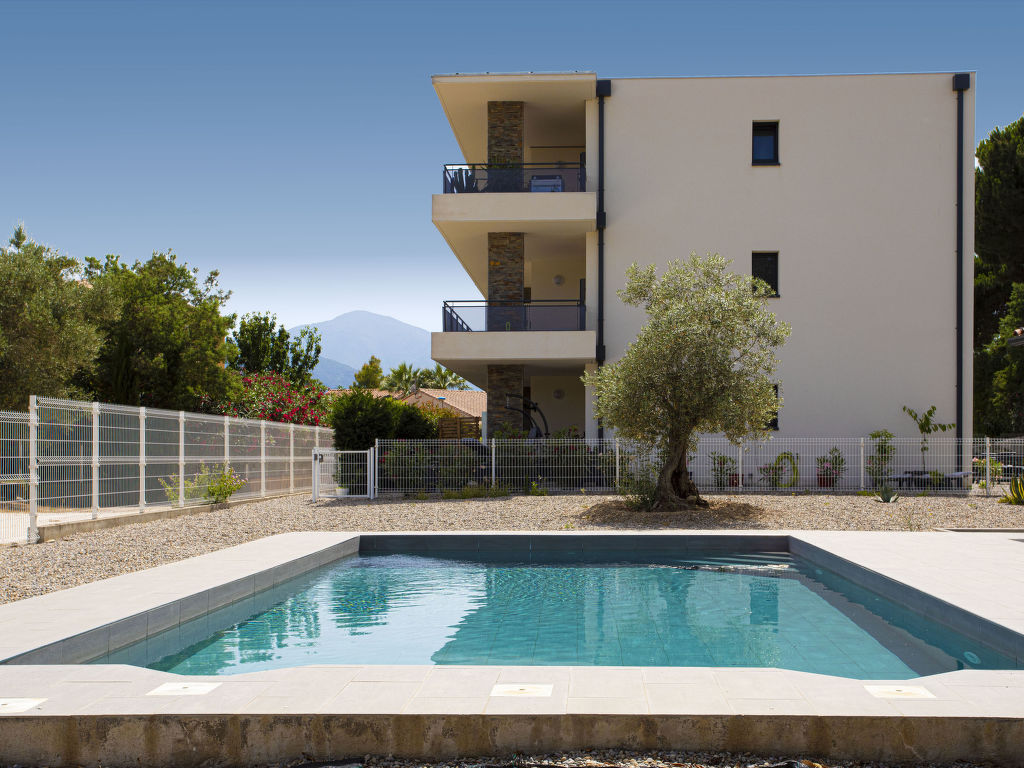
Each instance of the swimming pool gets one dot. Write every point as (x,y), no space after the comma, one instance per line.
(619,606)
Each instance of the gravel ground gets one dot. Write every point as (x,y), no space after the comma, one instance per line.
(622,759)
(34,570)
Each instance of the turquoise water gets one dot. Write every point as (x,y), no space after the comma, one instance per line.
(750,610)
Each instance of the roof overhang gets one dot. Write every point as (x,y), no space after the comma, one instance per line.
(554,99)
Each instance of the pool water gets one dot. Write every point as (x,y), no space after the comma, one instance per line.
(744,610)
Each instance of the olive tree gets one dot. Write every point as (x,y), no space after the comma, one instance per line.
(703,362)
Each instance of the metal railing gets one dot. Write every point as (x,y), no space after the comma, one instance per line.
(541,315)
(461,178)
(67,460)
(776,465)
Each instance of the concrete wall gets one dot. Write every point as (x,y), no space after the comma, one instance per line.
(862,210)
(566,411)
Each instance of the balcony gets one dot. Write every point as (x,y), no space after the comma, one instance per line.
(523,177)
(502,316)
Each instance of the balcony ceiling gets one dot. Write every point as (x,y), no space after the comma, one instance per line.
(555,107)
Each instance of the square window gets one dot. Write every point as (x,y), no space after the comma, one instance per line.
(765,265)
(766,144)
(773,423)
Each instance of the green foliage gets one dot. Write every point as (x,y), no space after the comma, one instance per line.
(272,397)
(888,495)
(535,489)
(879,463)
(404,378)
(359,419)
(263,346)
(638,485)
(999,281)
(194,488)
(476,492)
(1016,493)
(223,483)
(782,472)
(831,466)
(926,425)
(370,376)
(722,468)
(166,346)
(440,377)
(49,323)
(703,363)
(506,431)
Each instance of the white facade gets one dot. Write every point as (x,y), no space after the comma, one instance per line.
(861,209)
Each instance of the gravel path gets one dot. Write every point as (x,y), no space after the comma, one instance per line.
(626,759)
(34,570)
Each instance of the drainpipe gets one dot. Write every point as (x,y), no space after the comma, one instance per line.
(604,88)
(961,83)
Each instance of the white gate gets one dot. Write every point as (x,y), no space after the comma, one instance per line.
(338,474)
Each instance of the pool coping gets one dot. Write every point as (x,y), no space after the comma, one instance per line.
(103,709)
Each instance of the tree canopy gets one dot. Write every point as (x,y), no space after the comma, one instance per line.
(702,363)
(48,323)
(166,347)
(263,346)
(999,270)
(370,376)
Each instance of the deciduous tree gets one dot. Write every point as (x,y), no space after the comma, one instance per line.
(266,347)
(703,362)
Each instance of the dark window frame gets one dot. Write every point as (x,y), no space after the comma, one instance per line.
(763,128)
(753,260)
(773,423)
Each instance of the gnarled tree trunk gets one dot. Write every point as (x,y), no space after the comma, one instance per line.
(675,488)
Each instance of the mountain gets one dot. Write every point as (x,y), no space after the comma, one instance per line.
(349,340)
(334,374)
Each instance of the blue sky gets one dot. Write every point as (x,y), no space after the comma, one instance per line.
(295,146)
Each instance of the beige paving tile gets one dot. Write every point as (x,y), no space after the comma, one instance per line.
(606,706)
(678,699)
(383,674)
(372,698)
(555,704)
(534,675)
(755,684)
(463,705)
(455,682)
(680,675)
(770,707)
(606,682)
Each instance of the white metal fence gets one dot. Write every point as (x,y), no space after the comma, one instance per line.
(67,460)
(776,465)
(339,474)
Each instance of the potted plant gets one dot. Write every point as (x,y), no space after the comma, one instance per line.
(830,467)
(723,470)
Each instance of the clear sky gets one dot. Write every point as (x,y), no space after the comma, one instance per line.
(294,146)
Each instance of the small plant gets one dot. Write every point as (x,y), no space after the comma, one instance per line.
(222,484)
(1016,493)
(421,496)
(194,488)
(879,462)
(926,426)
(869,494)
(474,492)
(722,468)
(783,472)
(978,469)
(536,490)
(639,488)
(831,467)
(888,495)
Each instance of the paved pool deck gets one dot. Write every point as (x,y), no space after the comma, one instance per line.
(56,711)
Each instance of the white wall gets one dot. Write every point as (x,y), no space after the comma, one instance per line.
(569,411)
(861,209)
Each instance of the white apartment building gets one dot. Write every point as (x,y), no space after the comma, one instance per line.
(852,194)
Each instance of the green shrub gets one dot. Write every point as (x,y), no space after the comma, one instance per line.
(223,484)
(722,467)
(359,419)
(194,488)
(639,487)
(879,462)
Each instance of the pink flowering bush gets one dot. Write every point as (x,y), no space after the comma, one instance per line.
(272,397)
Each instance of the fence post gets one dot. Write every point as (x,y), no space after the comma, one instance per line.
(291,458)
(369,472)
(862,463)
(314,483)
(988,464)
(142,460)
(181,458)
(494,464)
(32,535)
(95,460)
(618,484)
(739,465)
(263,458)
(227,444)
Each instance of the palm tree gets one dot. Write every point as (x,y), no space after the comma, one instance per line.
(440,377)
(404,378)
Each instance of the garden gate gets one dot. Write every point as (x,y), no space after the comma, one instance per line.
(343,473)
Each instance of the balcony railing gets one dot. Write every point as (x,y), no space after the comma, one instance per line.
(513,316)
(522,177)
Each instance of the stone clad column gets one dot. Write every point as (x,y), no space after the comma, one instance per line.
(505,132)
(504,380)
